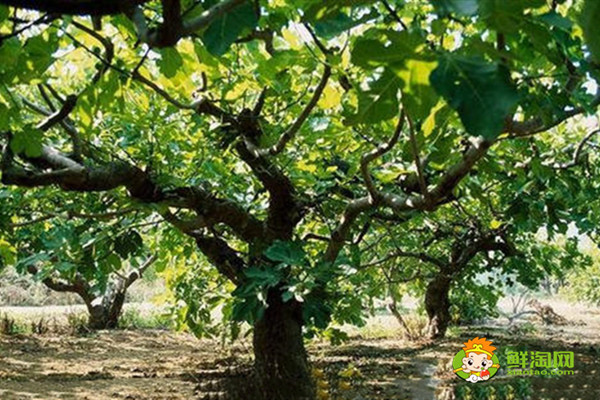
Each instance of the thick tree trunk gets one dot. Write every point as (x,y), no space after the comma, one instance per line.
(281,361)
(105,312)
(437,305)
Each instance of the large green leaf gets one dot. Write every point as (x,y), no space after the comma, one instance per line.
(379,103)
(341,22)
(128,243)
(290,253)
(462,7)
(27,141)
(387,49)
(418,97)
(506,15)
(590,23)
(225,30)
(9,54)
(262,277)
(39,52)
(7,253)
(405,55)
(3,12)
(320,10)
(481,92)
(170,62)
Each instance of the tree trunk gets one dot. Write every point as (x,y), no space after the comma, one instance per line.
(281,362)
(437,305)
(105,312)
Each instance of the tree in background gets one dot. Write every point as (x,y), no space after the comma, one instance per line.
(266,132)
(74,252)
(105,304)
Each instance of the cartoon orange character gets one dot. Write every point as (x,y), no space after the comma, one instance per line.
(478,360)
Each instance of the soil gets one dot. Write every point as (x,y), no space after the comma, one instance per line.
(154,364)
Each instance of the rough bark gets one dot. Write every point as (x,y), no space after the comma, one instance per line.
(104,312)
(281,362)
(437,305)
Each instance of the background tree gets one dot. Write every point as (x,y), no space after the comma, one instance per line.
(96,254)
(252,128)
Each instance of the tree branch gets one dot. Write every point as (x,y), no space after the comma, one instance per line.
(367,158)
(72,176)
(223,257)
(578,153)
(135,275)
(78,285)
(60,115)
(394,14)
(71,215)
(79,148)
(407,254)
(194,24)
(109,50)
(415,150)
(517,129)
(339,235)
(292,130)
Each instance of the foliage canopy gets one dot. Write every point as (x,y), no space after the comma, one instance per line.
(293,144)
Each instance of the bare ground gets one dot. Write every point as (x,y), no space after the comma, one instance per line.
(150,364)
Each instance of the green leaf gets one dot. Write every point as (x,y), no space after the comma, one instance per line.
(65,267)
(495,224)
(114,261)
(3,12)
(170,62)
(506,15)
(290,253)
(27,141)
(224,31)
(128,243)
(326,9)
(379,103)
(249,309)
(390,49)
(481,92)
(462,7)
(590,18)
(430,122)
(316,311)
(7,252)
(332,27)
(9,54)
(405,55)
(39,52)
(4,117)
(263,277)
(418,97)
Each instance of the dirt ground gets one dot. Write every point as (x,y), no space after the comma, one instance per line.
(151,364)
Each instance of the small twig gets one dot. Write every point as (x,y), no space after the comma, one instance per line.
(378,152)
(289,134)
(394,14)
(59,115)
(415,150)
